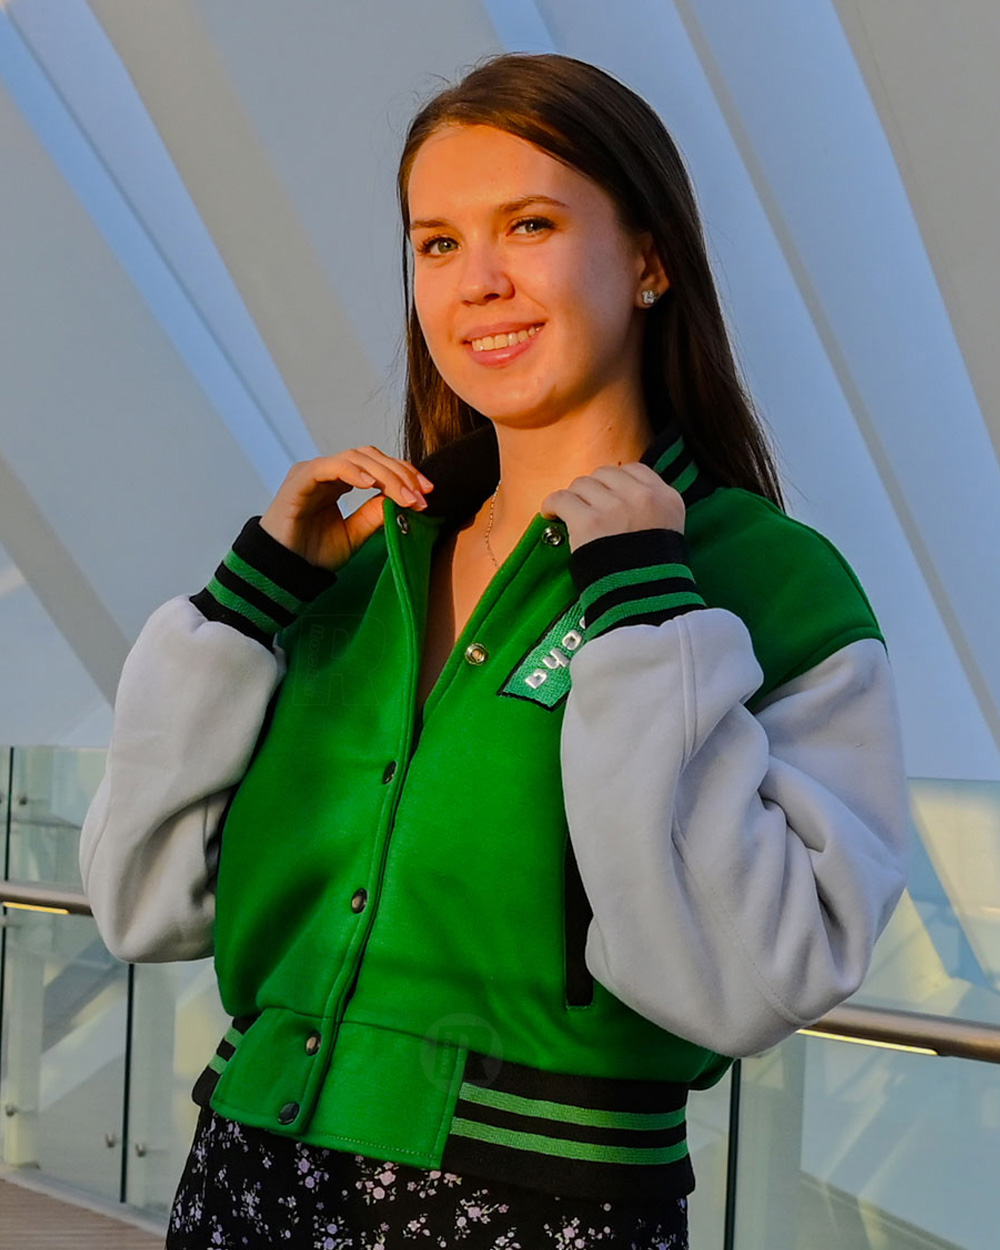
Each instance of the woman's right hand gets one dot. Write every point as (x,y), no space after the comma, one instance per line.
(305,517)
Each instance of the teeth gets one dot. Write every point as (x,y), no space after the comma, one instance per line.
(491,342)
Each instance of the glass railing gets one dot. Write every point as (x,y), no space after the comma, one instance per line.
(855,1147)
(97,1057)
(818,1144)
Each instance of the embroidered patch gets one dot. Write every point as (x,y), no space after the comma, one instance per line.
(543,675)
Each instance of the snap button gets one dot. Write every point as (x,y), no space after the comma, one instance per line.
(403,521)
(313,1043)
(359,900)
(389,771)
(552,535)
(288,1113)
(476,653)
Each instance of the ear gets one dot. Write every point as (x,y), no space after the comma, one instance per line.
(652,275)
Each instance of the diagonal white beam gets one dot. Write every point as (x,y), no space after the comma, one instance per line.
(63,590)
(831,476)
(520,25)
(73,89)
(833,198)
(226,168)
(931,70)
(117,450)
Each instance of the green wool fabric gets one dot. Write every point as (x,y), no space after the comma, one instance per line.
(452,825)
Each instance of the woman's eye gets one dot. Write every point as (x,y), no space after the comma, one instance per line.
(427,247)
(536,224)
(442,244)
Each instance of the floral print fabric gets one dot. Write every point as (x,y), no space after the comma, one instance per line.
(244,1187)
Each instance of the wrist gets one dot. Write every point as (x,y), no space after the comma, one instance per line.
(642,577)
(261,586)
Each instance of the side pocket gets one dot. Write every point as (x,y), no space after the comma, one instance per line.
(577,915)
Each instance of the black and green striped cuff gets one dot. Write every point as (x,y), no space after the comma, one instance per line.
(261,586)
(638,578)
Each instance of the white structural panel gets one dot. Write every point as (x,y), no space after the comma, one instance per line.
(34,657)
(112,442)
(242,293)
(200,255)
(742,94)
(931,70)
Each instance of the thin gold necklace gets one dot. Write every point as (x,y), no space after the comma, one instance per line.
(490,527)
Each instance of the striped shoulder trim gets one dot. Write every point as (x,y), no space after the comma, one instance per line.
(205,1085)
(574,1135)
(261,586)
(669,456)
(639,577)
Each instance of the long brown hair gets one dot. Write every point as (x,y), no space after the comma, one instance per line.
(585,118)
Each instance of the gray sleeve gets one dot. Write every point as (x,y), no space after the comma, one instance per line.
(740,867)
(190,704)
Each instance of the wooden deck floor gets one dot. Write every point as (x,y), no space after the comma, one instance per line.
(32,1220)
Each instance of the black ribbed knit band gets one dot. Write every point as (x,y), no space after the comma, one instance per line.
(261,586)
(637,578)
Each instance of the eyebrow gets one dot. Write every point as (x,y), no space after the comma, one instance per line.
(502,210)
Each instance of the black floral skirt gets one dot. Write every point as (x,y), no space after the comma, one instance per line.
(245,1187)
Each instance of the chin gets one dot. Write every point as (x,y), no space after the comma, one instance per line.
(515,418)
(510,409)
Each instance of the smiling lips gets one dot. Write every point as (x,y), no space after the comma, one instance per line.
(499,348)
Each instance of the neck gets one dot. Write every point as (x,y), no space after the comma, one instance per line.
(536,461)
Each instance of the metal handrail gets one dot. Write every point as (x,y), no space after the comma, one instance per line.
(44,898)
(940,1035)
(957,1039)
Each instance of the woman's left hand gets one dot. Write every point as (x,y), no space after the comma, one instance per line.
(615,499)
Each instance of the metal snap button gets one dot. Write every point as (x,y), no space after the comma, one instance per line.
(552,535)
(359,900)
(288,1113)
(403,521)
(389,771)
(313,1043)
(476,653)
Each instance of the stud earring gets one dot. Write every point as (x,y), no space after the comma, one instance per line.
(649,297)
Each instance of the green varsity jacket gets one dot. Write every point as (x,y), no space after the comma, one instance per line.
(400,920)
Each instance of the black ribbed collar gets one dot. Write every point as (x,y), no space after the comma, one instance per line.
(465,473)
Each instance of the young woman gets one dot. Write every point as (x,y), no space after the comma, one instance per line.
(562,770)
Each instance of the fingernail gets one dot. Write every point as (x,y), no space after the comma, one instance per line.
(409,495)
(425,482)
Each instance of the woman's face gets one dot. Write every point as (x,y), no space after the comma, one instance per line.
(509,240)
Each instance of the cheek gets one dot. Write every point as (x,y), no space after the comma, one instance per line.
(434,313)
(423,305)
(597,295)
(433,323)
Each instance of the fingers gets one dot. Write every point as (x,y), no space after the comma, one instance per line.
(616,499)
(407,470)
(364,467)
(397,478)
(634,484)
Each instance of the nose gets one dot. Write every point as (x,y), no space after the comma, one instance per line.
(483,275)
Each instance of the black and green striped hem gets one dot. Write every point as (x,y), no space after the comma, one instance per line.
(205,1085)
(574,1135)
(261,586)
(638,578)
